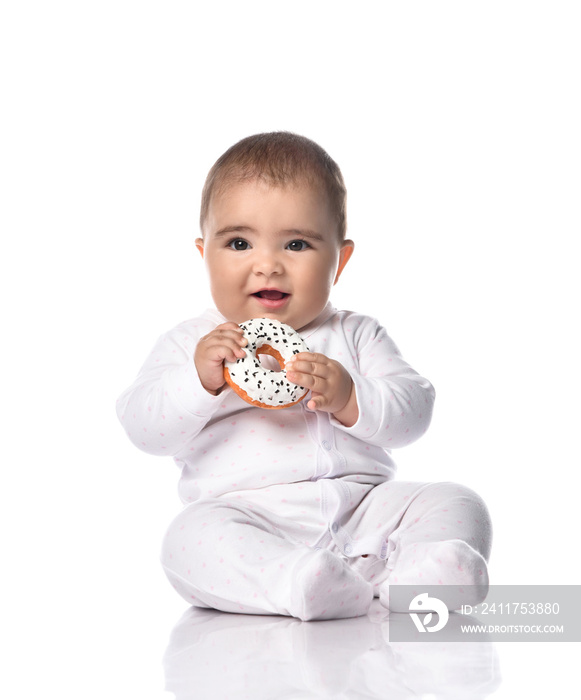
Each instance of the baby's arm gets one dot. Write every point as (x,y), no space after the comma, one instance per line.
(395,402)
(168,405)
(388,403)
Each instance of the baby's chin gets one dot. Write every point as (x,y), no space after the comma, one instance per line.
(295,321)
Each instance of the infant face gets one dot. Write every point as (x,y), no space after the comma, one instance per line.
(272,252)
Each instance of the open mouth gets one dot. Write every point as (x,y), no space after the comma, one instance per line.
(271,299)
(271,294)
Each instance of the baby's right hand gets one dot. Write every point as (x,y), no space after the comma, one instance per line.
(225,342)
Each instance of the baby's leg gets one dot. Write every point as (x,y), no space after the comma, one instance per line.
(237,558)
(434,534)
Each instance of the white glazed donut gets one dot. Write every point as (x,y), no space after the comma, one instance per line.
(253,382)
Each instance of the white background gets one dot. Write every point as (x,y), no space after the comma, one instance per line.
(456,125)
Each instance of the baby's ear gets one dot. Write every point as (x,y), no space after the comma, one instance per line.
(344,254)
(200,245)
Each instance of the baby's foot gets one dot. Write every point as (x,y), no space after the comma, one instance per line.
(324,588)
(458,570)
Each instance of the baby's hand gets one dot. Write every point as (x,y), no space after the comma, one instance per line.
(225,342)
(330,384)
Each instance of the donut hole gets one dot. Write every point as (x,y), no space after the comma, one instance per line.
(270,359)
(269,362)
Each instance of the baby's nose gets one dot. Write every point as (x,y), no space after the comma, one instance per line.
(268,263)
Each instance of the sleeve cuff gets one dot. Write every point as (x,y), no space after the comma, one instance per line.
(184,385)
(366,425)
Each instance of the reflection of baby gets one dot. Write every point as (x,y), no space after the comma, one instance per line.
(213,655)
(295,511)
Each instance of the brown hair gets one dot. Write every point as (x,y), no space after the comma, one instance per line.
(278,158)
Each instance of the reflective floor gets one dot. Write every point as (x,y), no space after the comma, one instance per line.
(155,649)
(219,655)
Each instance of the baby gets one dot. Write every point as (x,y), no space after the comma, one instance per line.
(295,511)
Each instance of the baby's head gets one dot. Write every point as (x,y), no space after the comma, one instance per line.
(273,225)
(278,159)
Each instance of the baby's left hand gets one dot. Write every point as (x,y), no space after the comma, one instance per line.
(330,383)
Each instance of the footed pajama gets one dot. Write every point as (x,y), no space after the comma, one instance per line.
(290,511)
(234,555)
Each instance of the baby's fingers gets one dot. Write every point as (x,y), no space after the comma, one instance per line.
(308,363)
(231,354)
(230,331)
(317,402)
(232,349)
(309,381)
(219,349)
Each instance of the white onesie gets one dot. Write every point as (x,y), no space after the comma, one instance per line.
(289,511)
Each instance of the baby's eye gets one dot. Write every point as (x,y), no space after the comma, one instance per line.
(238,244)
(298,245)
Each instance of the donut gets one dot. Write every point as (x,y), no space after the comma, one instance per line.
(254,383)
